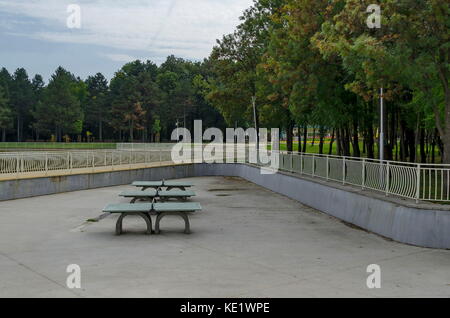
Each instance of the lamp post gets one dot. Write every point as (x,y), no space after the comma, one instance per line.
(381,125)
(256,123)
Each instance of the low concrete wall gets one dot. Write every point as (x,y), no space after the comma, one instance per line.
(24,188)
(421,225)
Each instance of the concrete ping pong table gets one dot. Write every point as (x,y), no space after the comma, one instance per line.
(150,195)
(158,185)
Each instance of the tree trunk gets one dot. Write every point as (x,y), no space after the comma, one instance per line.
(444,131)
(339,142)
(369,143)
(321,136)
(411,144)
(345,140)
(423,155)
(4,135)
(433,146)
(290,136)
(131,132)
(100,130)
(305,137)
(356,150)
(18,128)
(417,137)
(299,139)
(314,137)
(330,150)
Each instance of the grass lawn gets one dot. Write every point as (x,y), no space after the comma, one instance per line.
(315,149)
(326,147)
(56,145)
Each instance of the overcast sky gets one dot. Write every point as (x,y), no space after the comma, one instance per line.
(34,33)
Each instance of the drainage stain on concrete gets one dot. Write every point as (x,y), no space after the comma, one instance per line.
(81,227)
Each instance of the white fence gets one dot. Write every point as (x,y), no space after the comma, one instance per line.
(144,146)
(25,162)
(425,182)
(408,180)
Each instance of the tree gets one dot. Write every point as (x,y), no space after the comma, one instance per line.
(21,99)
(409,54)
(6,115)
(38,87)
(60,110)
(97,103)
(234,63)
(126,107)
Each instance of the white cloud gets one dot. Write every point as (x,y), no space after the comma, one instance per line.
(120,57)
(186,28)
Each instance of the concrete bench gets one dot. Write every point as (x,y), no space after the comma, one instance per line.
(142,209)
(180,209)
(160,209)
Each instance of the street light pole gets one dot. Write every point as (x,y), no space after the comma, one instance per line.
(254,118)
(381,124)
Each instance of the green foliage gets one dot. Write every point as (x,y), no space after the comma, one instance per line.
(60,109)
(6,115)
(305,62)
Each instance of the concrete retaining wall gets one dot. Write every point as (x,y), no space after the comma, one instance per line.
(406,223)
(17,189)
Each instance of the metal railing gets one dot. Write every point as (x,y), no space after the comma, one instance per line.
(420,182)
(18,163)
(42,146)
(144,146)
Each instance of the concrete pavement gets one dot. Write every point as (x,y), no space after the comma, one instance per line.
(247,242)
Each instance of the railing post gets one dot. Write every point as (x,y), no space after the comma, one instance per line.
(292,162)
(301,163)
(343,170)
(328,167)
(71,161)
(418,183)
(112,160)
(46,163)
(17,165)
(313,165)
(363,177)
(388,167)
